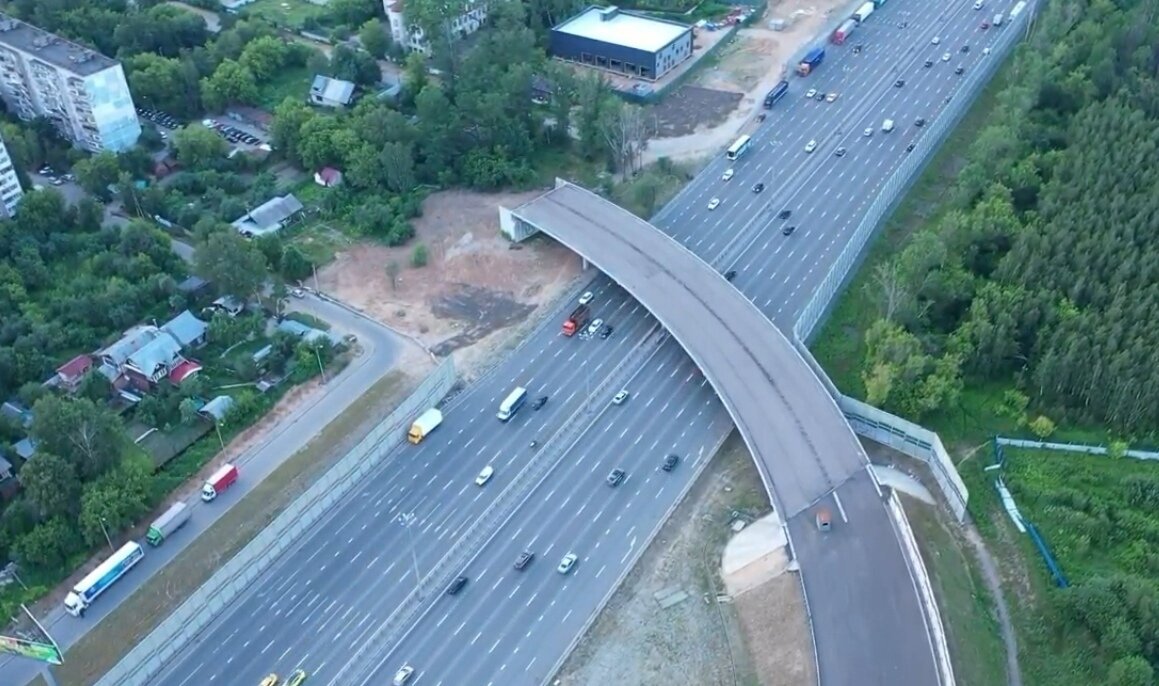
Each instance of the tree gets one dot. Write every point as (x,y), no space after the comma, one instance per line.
(286,131)
(414,76)
(264,57)
(418,256)
(354,65)
(1133,670)
(97,173)
(117,499)
(374,39)
(1042,426)
(91,436)
(49,545)
(197,147)
(51,484)
(625,134)
(392,270)
(232,263)
(230,83)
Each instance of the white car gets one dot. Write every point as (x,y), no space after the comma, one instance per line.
(714,203)
(868,131)
(620,397)
(945,57)
(586,298)
(832,97)
(566,564)
(403,675)
(595,326)
(298,293)
(728,174)
(811,146)
(485,475)
(936,40)
(985,51)
(811,93)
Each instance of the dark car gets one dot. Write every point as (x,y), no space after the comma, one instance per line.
(539,402)
(960,70)
(730,275)
(839,152)
(670,463)
(757,188)
(909,148)
(899,83)
(784,214)
(819,97)
(616,477)
(606,331)
(965,48)
(929,63)
(788,230)
(524,559)
(457,585)
(919,122)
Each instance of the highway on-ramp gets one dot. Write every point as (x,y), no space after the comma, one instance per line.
(321,615)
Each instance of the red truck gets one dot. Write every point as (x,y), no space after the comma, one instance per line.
(220,480)
(576,320)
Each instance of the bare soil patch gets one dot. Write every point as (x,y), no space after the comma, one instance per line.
(478,292)
(698,640)
(777,632)
(748,67)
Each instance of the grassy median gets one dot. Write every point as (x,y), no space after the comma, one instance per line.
(107,643)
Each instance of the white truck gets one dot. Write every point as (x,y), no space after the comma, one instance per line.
(887,126)
(863,12)
(998,19)
(426,423)
(174,518)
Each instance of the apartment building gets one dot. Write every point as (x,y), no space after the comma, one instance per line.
(10,190)
(82,92)
(411,38)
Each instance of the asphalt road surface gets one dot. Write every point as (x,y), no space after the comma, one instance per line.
(317,604)
(380,347)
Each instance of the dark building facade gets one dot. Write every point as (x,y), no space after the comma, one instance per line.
(622,42)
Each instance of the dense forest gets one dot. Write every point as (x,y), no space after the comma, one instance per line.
(1046,269)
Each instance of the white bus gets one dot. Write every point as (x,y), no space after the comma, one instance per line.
(512,403)
(99,580)
(739,147)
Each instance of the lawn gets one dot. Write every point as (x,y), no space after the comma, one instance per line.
(289,83)
(290,14)
(102,647)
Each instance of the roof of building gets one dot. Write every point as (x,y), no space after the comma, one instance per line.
(229,302)
(306,333)
(161,351)
(217,408)
(75,367)
(186,328)
(192,284)
(615,26)
(17,413)
(329,175)
(334,90)
(25,448)
(51,48)
(184,370)
(5,467)
(134,339)
(268,216)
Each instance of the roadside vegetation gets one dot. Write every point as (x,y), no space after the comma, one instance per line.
(1015,293)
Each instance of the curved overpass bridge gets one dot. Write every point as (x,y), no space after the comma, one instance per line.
(868,622)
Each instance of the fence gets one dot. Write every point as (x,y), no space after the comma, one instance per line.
(149,657)
(1020,520)
(1073,448)
(484,527)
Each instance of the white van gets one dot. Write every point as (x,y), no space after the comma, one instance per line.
(887,125)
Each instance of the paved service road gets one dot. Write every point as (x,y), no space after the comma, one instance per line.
(380,349)
(321,617)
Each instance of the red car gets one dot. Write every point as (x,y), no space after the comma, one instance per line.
(985,25)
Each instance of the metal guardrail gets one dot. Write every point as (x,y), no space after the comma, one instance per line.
(485,526)
(148,658)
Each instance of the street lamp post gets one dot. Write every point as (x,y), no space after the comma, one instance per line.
(407,520)
(106,532)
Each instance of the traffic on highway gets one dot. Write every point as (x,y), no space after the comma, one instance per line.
(317,607)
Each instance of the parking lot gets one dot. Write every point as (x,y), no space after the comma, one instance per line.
(232,132)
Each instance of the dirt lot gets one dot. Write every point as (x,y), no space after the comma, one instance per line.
(478,293)
(710,111)
(699,640)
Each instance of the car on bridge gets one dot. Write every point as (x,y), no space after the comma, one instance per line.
(567,563)
(485,476)
(524,559)
(457,585)
(403,675)
(670,463)
(728,174)
(758,187)
(616,477)
(714,203)
(620,397)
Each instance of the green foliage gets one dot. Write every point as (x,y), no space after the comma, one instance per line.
(1098,516)
(48,545)
(89,436)
(374,38)
(232,263)
(419,256)
(197,147)
(1042,426)
(116,500)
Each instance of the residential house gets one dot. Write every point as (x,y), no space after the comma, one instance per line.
(187,330)
(306,333)
(328,177)
(25,448)
(193,285)
(18,414)
(147,354)
(269,217)
(216,410)
(411,37)
(71,373)
(5,469)
(329,92)
(229,305)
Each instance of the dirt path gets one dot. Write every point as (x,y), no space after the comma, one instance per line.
(477,295)
(994,584)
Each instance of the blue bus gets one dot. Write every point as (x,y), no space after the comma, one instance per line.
(776,94)
(512,403)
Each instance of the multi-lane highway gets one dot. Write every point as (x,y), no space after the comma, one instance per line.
(317,607)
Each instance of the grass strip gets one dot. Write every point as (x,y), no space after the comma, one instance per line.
(123,628)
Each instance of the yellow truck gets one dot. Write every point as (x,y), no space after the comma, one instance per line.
(426,423)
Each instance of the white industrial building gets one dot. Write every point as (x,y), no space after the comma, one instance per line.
(82,92)
(10,190)
(411,38)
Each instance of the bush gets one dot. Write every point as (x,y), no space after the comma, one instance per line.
(418,256)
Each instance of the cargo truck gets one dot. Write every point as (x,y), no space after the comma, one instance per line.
(576,320)
(776,94)
(426,423)
(998,19)
(842,33)
(879,3)
(812,59)
(100,579)
(219,481)
(863,12)
(163,527)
